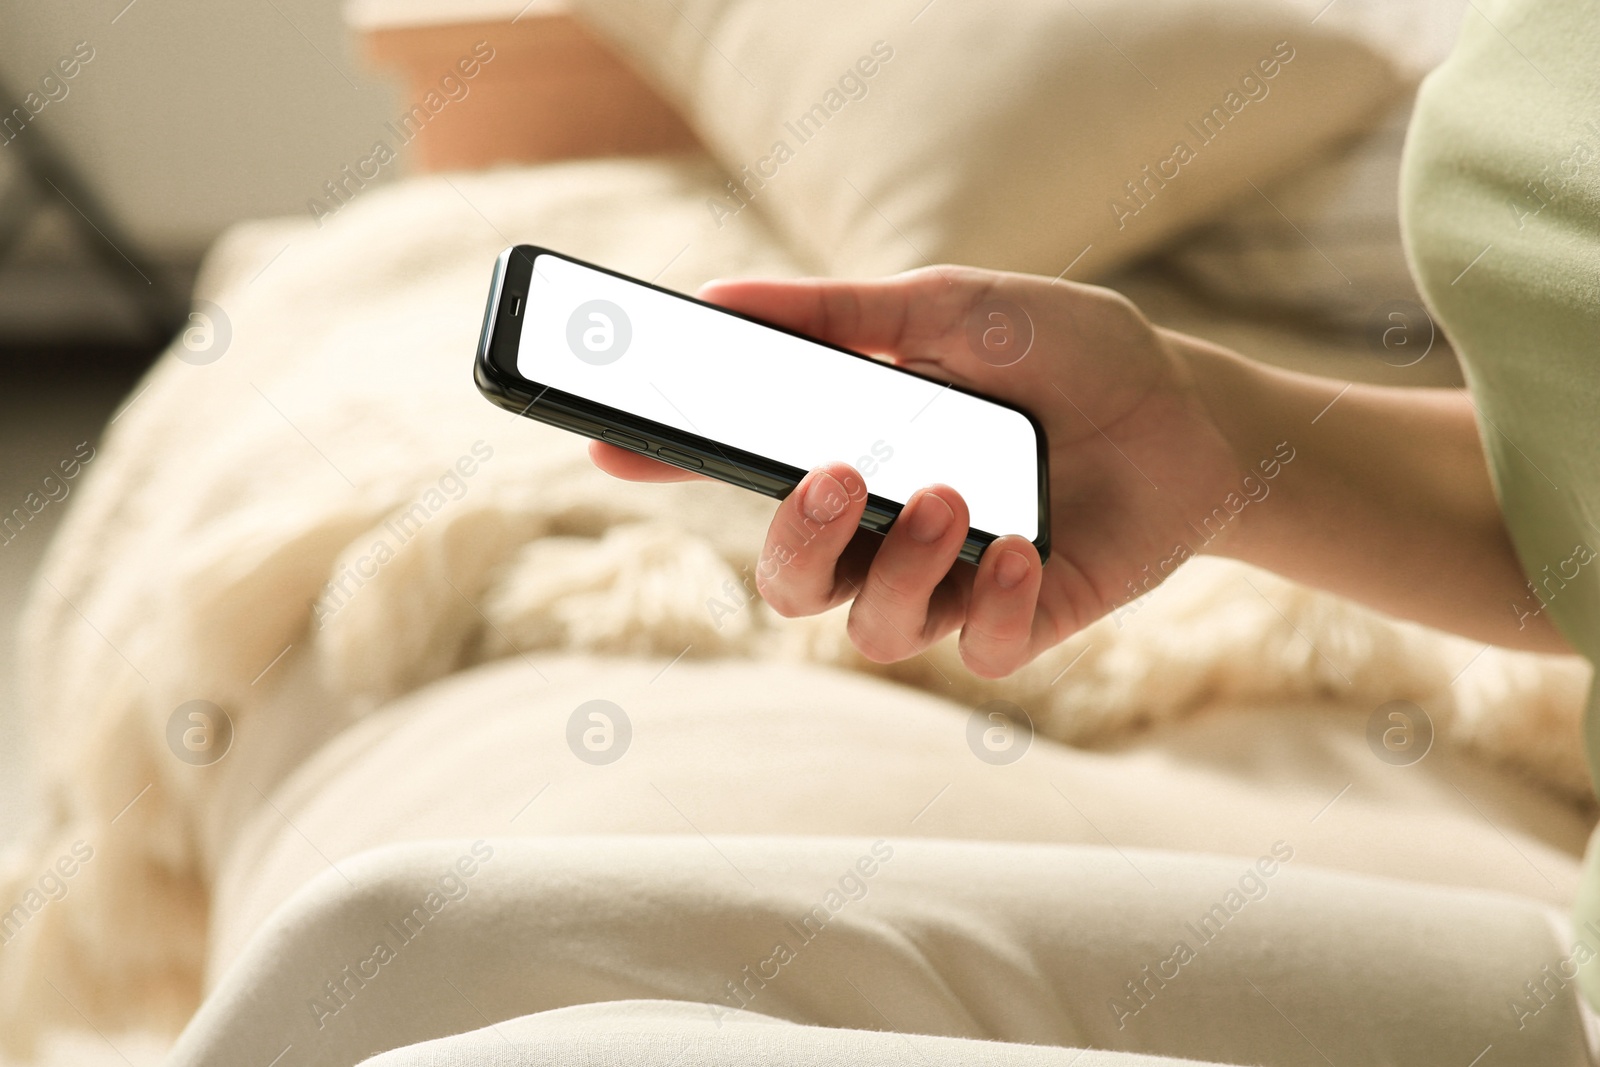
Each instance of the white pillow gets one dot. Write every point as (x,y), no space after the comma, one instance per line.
(1006,135)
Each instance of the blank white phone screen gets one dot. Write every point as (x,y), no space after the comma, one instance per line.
(659,357)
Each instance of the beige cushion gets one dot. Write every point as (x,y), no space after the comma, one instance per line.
(887,136)
(740,747)
(1129,949)
(665,1033)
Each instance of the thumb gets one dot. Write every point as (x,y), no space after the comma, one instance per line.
(881,316)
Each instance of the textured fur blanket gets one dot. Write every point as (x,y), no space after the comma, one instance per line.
(324,485)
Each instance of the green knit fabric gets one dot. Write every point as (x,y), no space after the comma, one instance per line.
(1501,201)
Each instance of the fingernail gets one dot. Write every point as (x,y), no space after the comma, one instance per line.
(1010,569)
(930,518)
(824,498)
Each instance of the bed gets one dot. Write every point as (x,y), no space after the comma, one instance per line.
(222,570)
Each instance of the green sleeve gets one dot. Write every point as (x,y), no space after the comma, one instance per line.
(1500,194)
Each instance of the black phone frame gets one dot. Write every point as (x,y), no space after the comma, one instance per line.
(497,377)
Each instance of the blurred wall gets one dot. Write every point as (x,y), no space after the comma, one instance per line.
(193,114)
(190,115)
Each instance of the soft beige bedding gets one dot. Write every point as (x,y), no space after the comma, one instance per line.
(1069,947)
(742,747)
(231,492)
(652,1033)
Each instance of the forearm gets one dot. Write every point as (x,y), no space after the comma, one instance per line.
(1387,500)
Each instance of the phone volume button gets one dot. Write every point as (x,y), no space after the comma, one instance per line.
(682,459)
(625,440)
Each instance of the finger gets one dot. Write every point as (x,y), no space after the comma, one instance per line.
(879,315)
(997,636)
(902,607)
(799,571)
(635,466)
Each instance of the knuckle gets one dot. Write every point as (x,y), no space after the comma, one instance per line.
(940,276)
(1008,632)
(783,598)
(784,606)
(990,660)
(992,670)
(869,639)
(1122,315)
(995,648)
(898,591)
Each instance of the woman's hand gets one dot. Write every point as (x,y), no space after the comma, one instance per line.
(1134,458)
(1161,446)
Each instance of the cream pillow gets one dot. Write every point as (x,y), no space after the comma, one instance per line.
(1020,135)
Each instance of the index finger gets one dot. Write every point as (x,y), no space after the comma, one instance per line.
(635,466)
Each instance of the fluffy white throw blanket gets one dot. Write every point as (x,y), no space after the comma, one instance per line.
(333,484)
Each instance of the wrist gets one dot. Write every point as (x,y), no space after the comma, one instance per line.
(1378,493)
(1249,409)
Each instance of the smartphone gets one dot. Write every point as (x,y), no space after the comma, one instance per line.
(713,391)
